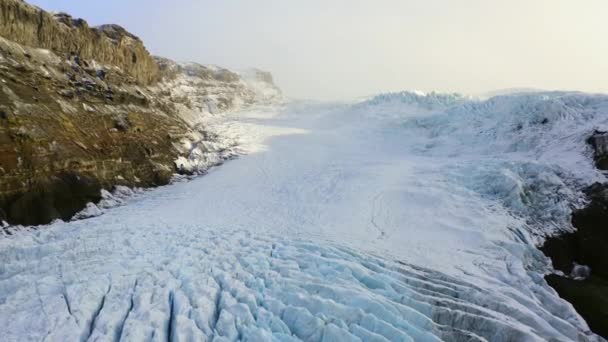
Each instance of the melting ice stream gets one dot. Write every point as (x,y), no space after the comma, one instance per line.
(403,218)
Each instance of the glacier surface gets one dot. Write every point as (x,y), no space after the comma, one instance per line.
(406,217)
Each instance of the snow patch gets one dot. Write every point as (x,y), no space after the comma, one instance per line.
(91,210)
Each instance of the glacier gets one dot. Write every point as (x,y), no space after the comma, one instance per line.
(403,217)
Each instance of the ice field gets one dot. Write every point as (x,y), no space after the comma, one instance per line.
(406,217)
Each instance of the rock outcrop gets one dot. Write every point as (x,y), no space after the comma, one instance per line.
(63,116)
(88,108)
(200,92)
(66,36)
(582,256)
(599,141)
(197,88)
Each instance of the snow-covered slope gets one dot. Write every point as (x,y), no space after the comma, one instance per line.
(343,223)
(202,95)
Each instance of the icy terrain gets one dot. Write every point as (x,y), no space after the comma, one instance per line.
(404,217)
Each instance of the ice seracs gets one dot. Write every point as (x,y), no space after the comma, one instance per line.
(529,149)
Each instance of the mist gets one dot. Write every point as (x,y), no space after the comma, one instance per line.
(339,49)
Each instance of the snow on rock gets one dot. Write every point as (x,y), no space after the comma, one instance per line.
(120,195)
(201,93)
(108,200)
(203,150)
(90,211)
(124,192)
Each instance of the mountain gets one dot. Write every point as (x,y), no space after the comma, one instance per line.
(84,108)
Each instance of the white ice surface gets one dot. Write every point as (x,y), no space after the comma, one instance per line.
(341,223)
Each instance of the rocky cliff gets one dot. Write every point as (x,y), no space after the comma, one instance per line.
(86,108)
(66,36)
(581,255)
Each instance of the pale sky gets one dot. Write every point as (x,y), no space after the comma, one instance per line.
(343,49)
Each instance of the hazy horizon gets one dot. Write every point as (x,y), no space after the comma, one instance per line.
(336,50)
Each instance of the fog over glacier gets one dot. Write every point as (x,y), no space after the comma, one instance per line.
(342,49)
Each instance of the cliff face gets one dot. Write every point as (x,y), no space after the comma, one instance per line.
(198,92)
(197,89)
(109,44)
(64,117)
(81,113)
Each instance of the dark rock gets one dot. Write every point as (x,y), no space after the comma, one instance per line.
(101,74)
(586,246)
(589,297)
(583,257)
(599,141)
(122,123)
(59,198)
(21,68)
(3,115)
(592,237)
(67,93)
(597,192)
(89,85)
(162,176)
(116,32)
(562,250)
